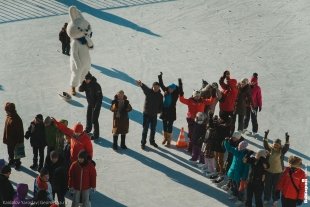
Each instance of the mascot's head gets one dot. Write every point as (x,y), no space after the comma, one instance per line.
(78,27)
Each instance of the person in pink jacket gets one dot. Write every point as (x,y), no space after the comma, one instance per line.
(251,111)
(195,104)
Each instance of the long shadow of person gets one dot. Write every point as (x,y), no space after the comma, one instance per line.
(107,16)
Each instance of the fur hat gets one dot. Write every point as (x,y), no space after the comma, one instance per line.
(9,107)
(261,153)
(6,169)
(237,135)
(215,85)
(88,76)
(294,161)
(244,81)
(242,145)
(39,117)
(196,93)
(78,128)
(277,141)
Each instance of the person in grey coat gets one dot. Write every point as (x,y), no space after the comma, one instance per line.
(152,106)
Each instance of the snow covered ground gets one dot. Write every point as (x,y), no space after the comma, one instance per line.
(135,40)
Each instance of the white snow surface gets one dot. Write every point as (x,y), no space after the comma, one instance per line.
(135,40)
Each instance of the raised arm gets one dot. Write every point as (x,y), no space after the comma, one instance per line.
(266,145)
(161,83)
(287,144)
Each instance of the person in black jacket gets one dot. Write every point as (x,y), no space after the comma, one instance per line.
(168,114)
(36,133)
(65,40)
(94,99)
(152,106)
(256,177)
(6,189)
(57,176)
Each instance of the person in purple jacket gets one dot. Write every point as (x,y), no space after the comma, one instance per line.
(20,197)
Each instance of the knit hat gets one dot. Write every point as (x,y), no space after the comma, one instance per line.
(172,86)
(39,117)
(9,107)
(254,78)
(236,134)
(47,121)
(277,141)
(242,145)
(244,81)
(155,83)
(78,128)
(261,153)
(88,76)
(120,92)
(6,169)
(294,161)
(196,93)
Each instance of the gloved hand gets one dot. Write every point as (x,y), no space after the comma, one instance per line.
(277,195)
(160,74)
(204,83)
(287,137)
(299,202)
(266,133)
(259,109)
(254,112)
(181,92)
(93,190)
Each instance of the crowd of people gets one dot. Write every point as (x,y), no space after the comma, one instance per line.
(69,167)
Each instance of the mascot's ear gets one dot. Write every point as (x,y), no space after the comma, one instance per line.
(74,13)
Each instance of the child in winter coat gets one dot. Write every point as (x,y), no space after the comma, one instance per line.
(120,107)
(292,184)
(238,171)
(42,183)
(275,159)
(256,177)
(20,197)
(82,180)
(36,133)
(199,132)
(208,157)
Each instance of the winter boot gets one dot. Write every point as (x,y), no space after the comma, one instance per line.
(165,138)
(169,135)
(34,166)
(115,138)
(123,145)
(73,92)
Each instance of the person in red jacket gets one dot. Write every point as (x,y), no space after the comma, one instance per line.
(292,184)
(229,96)
(195,104)
(251,111)
(79,140)
(82,180)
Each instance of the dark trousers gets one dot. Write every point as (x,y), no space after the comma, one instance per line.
(249,114)
(168,125)
(190,124)
(11,155)
(286,202)
(240,121)
(255,189)
(35,151)
(65,48)
(60,197)
(235,190)
(271,181)
(92,116)
(149,121)
(225,115)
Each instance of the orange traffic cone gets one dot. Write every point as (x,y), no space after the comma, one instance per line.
(181,143)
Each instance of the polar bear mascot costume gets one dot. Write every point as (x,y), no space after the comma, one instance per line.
(79,30)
